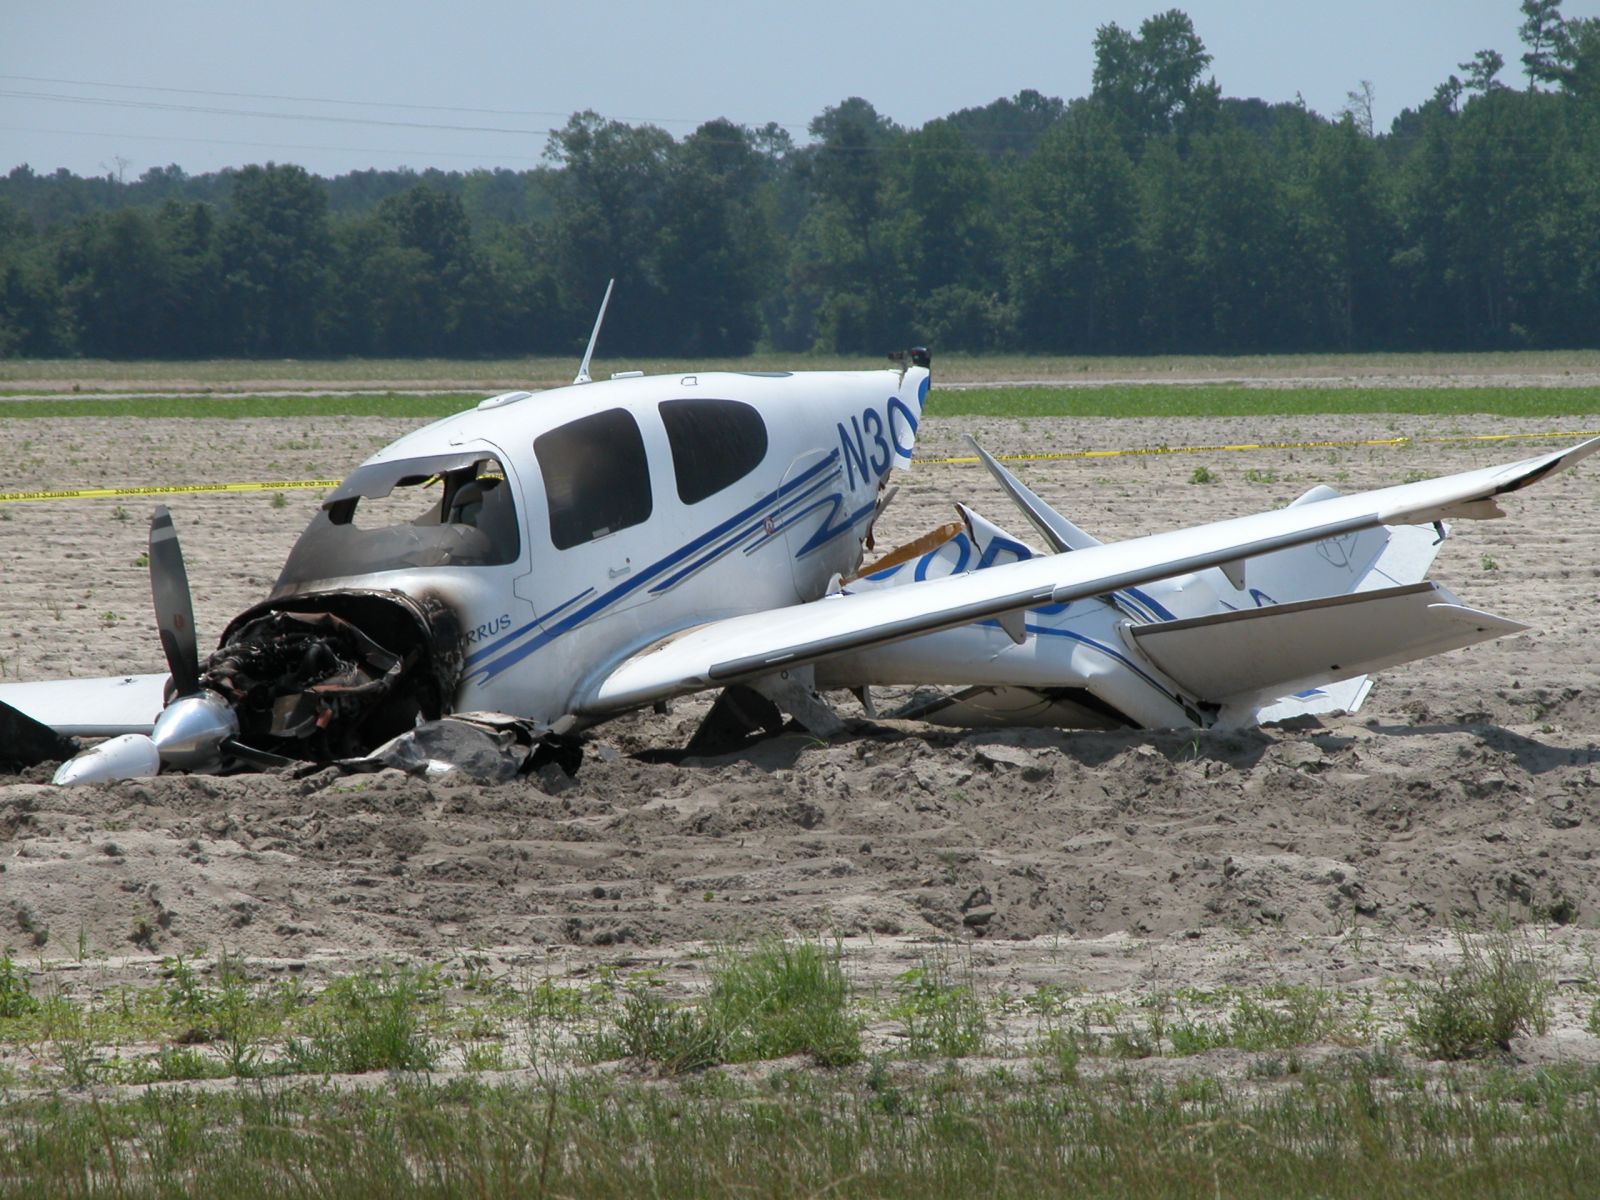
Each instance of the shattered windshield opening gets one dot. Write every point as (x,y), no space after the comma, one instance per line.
(443,511)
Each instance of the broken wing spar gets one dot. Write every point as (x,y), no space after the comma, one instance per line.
(747,647)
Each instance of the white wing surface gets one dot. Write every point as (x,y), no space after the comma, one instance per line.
(756,644)
(91,707)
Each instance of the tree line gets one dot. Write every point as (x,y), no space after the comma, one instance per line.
(1154,215)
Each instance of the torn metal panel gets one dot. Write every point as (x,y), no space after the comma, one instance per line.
(487,747)
(794,690)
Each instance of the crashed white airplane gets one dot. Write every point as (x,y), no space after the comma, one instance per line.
(560,558)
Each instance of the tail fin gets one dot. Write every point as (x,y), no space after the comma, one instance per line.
(1317,579)
(905,406)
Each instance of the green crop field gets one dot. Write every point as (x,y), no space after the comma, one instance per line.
(1232,400)
(31,376)
(1110,400)
(235,407)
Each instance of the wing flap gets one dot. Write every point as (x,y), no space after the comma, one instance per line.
(91,707)
(755,644)
(1282,649)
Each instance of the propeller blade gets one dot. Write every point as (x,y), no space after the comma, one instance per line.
(169,588)
(264,759)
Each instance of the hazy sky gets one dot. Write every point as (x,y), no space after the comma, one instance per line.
(338,85)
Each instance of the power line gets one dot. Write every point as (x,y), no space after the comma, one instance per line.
(137,87)
(384,104)
(151,137)
(102,101)
(213,110)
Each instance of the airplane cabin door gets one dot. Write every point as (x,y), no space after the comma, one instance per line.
(596,489)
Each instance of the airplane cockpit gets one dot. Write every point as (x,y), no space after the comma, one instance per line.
(445,510)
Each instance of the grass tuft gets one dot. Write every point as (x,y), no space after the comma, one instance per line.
(677,1040)
(365,1024)
(1498,990)
(16,994)
(773,1001)
(785,998)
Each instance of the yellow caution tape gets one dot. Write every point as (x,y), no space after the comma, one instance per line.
(177,489)
(292,485)
(1326,444)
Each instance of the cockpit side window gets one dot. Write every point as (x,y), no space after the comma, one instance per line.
(715,443)
(448,511)
(596,477)
(474,499)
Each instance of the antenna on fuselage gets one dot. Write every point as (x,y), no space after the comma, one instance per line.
(583,368)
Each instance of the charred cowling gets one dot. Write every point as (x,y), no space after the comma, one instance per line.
(332,675)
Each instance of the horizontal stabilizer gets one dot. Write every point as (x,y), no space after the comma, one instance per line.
(1266,652)
(1061,533)
(91,707)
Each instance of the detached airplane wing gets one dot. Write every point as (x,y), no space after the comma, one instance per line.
(747,647)
(91,707)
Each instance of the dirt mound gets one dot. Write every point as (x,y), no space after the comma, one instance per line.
(885,831)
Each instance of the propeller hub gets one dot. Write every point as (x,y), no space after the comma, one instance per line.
(129,756)
(190,731)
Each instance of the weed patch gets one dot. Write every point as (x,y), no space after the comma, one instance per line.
(1498,990)
(775,1000)
(362,1023)
(16,994)
(942,1017)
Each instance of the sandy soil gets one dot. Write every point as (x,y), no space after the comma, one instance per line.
(1466,787)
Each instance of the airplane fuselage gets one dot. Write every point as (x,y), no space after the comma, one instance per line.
(602,517)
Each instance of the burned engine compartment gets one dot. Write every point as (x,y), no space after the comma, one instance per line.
(321,676)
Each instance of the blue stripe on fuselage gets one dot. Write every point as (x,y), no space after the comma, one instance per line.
(1048,631)
(1154,605)
(757,527)
(1093,644)
(551,632)
(495,646)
